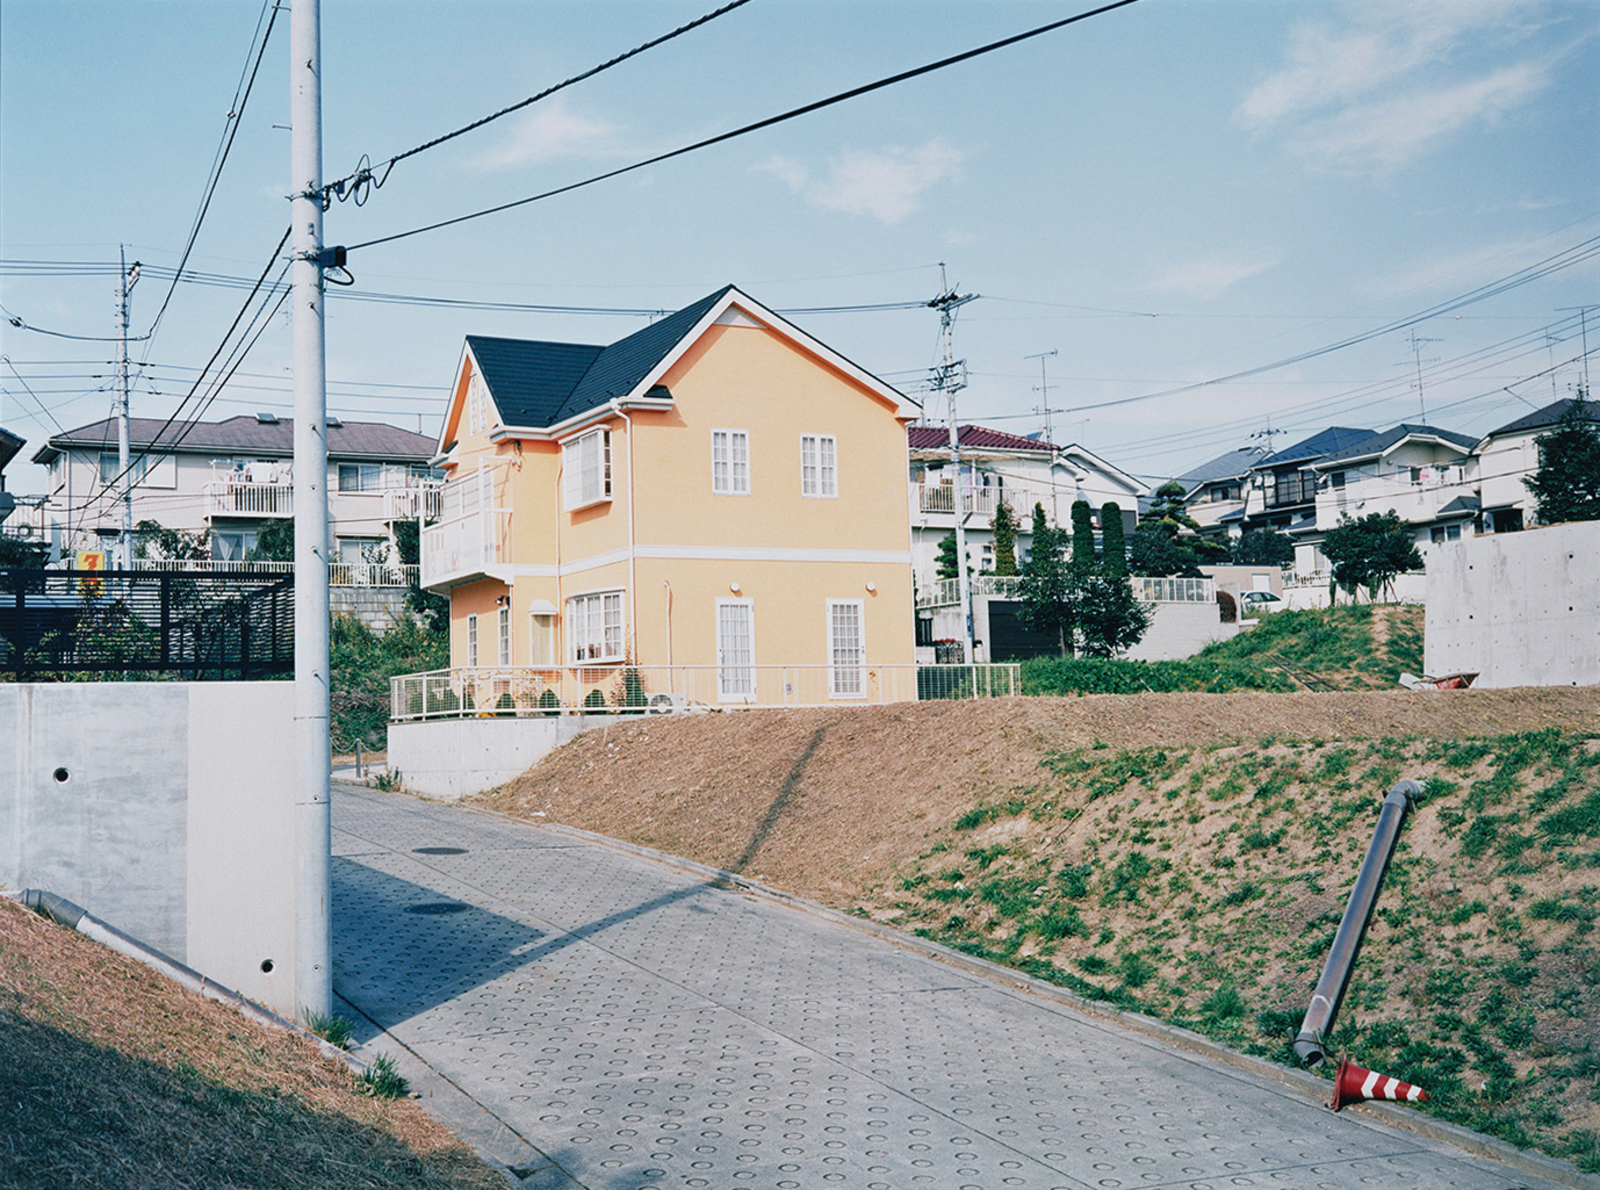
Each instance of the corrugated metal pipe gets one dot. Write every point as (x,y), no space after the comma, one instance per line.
(75,917)
(1330,989)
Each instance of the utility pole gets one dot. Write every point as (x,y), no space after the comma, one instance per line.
(1416,352)
(126,279)
(1044,392)
(312,822)
(950,378)
(1583,322)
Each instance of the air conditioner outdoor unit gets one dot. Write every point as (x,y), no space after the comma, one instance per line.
(665,704)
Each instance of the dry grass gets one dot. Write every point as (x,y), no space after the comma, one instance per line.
(112,1076)
(1186,855)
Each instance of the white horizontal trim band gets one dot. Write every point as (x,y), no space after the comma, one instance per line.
(714,553)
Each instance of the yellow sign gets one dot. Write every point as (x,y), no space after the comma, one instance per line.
(90,560)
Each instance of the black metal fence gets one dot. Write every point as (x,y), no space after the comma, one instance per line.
(218,625)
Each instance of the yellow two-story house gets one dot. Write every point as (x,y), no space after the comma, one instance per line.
(711,510)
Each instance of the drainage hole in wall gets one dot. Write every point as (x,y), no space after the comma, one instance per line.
(438,850)
(266,966)
(435,908)
(62,775)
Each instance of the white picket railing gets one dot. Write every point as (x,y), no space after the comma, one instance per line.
(340,574)
(945,592)
(625,689)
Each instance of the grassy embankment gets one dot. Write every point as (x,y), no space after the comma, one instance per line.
(1203,886)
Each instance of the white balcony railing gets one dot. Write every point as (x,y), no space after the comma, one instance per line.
(340,574)
(241,498)
(936,499)
(408,504)
(475,543)
(621,689)
(946,592)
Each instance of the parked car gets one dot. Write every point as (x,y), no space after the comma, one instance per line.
(1261,602)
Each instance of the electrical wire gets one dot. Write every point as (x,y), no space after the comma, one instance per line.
(354,183)
(770,121)
(30,391)
(235,118)
(16,321)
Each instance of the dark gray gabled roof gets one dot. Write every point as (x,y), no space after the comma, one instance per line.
(1229,466)
(1540,418)
(1377,444)
(10,444)
(1323,442)
(536,384)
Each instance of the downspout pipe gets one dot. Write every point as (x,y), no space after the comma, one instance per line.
(1310,1042)
(75,917)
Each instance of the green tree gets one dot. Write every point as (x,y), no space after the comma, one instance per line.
(1264,547)
(1369,553)
(1109,618)
(1047,587)
(1167,540)
(152,539)
(1566,486)
(1082,560)
(1113,542)
(1005,540)
(274,542)
(18,554)
(947,566)
(433,609)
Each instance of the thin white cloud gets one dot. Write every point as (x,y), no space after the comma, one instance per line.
(886,185)
(548,131)
(1206,278)
(1379,88)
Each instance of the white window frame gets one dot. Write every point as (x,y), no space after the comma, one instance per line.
(594,627)
(730,462)
(477,404)
(847,664)
(504,637)
(736,675)
(472,640)
(819,466)
(586,469)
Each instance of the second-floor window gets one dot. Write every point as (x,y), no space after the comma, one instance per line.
(586,463)
(730,462)
(505,636)
(110,469)
(360,477)
(594,626)
(477,405)
(472,641)
(819,468)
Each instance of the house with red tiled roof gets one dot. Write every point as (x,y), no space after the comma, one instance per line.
(997,468)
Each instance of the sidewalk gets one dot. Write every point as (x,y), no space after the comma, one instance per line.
(595,1018)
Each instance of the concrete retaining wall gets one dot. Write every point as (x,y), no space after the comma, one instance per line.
(1520,609)
(165,809)
(453,758)
(377,607)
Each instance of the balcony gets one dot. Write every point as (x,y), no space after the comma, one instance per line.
(231,497)
(929,500)
(424,500)
(473,545)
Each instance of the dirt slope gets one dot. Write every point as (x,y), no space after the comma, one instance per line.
(829,803)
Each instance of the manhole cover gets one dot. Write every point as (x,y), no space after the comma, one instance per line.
(438,850)
(436,908)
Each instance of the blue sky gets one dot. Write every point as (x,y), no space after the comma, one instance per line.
(1165,196)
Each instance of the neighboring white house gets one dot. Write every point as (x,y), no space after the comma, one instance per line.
(1214,492)
(1506,457)
(231,477)
(1426,475)
(997,466)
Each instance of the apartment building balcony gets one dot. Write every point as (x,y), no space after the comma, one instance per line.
(933,504)
(228,497)
(423,501)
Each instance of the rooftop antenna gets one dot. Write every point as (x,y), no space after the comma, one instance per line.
(1583,323)
(1416,352)
(950,378)
(1044,393)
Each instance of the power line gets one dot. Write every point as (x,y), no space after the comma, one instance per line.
(770,121)
(356,181)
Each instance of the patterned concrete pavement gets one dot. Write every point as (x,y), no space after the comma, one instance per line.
(596,1018)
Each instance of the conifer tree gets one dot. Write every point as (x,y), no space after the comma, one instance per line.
(1005,540)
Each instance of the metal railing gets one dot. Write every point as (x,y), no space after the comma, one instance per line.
(340,574)
(228,497)
(465,545)
(426,500)
(945,593)
(633,689)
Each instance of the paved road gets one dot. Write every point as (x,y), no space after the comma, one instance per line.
(600,1019)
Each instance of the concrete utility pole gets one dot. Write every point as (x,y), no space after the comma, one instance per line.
(950,379)
(313,823)
(126,279)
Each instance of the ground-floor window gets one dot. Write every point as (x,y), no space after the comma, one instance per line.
(736,675)
(846,651)
(505,636)
(594,626)
(472,641)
